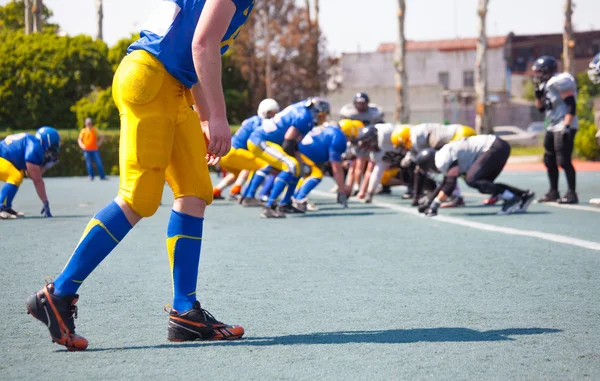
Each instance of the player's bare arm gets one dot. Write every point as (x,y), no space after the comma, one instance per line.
(35,174)
(206,51)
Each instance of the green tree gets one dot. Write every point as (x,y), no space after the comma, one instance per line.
(12,18)
(43,75)
(235,88)
(119,50)
(99,106)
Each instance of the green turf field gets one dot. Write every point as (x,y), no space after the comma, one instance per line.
(371,292)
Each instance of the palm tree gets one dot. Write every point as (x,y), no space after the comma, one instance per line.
(482,120)
(402,109)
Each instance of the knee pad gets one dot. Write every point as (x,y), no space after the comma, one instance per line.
(144,204)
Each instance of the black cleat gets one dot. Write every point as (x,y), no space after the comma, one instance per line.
(569,198)
(511,206)
(551,196)
(58,314)
(199,324)
(527,198)
(289,209)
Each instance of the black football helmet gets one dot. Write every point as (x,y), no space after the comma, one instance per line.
(426,160)
(361,102)
(544,68)
(367,138)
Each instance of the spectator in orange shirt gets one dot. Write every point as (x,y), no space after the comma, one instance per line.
(89,141)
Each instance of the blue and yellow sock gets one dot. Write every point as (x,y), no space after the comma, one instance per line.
(291,189)
(184,241)
(267,186)
(255,182)
(281,181)
(307,187)
(7,195)
(102,234)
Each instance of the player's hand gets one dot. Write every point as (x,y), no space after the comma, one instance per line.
(540,91)
(218,137)
(361,195)
(46,210)
(369,198)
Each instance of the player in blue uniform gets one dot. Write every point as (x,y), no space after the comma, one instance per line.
(22,153)
(320,146)
(239,162)
(175,64)
(276,142)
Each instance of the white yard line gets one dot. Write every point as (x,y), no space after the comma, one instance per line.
(486,227)
(554,204)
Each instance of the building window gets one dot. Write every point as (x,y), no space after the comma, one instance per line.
(468,79)
(444,79)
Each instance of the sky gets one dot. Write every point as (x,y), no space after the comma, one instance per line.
(361,25)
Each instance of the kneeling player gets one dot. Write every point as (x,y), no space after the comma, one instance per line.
(25,152)
(481,160)
(423,136)
(320,146)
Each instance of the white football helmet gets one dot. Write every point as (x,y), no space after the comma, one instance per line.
(266,106)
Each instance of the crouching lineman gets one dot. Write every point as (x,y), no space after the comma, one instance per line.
(481,160)
(276,143)
(376,140)
(25,152)
(239,162)
(361,110)
(320,146)
(423,136)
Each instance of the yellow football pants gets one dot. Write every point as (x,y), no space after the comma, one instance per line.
(10,174)
(388,175)
(161,136)
(238,160)
(463,132)
(275,156)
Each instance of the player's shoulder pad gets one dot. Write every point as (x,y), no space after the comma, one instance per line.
(562,82)
(348,110)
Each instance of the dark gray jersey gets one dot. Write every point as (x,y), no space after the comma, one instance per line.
(431,135)
(372,116)
(464,152)
(556,108)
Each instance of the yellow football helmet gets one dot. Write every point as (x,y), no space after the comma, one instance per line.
(350,128)
(401,136)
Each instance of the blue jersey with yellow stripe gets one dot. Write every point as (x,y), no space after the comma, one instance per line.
(20,149)
(273,130)
(240,139)
(169,32)
(324,144)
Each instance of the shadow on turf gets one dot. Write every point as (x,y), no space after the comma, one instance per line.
(392,336)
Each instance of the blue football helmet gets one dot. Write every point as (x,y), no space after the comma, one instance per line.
(319,108)
(50,140)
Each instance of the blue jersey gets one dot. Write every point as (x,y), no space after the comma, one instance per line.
(240,139)
(20,149)
(273,130)
(169,32)
(324,144)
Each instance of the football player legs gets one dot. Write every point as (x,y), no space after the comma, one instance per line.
(161,140)
(12,179)
(275,156)
(240,161)
(487,168)
(310,182)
